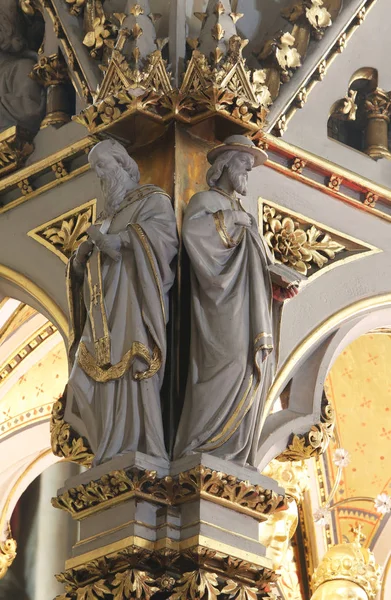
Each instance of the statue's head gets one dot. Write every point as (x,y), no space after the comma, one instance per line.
(117,171)
(237,156)
(12,39)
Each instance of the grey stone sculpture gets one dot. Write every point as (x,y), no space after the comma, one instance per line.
(232,339)
(22,100)
(118,284)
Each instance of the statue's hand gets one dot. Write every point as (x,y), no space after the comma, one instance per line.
(242,218)
(110,244)
(84,251)
(280,294)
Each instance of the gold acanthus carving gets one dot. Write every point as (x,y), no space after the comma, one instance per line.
(15,146)
(7,554)
(199,482)
(64,234)
(292,244)
(314,442)
(65,442)
(198,573)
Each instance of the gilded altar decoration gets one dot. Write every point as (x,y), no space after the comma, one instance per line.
(217,80)
(64,234)
(315,441)
(292,244)
(347,568)
(199,482)
(211,574)
(7,554)
(15,147)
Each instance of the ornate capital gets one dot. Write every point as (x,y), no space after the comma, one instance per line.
(377,105)
(51,70)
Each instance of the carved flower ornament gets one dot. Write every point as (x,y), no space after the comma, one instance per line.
(292,245)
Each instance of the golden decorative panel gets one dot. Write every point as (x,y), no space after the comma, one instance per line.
(305,245)
(64,234)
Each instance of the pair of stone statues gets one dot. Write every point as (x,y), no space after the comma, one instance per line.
(118,284)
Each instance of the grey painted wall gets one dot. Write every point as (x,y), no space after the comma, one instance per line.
(370,46)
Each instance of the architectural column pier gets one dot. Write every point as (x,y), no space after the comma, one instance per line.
(189,529)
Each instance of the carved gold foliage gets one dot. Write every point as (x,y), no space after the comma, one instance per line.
(197,585)
(282,49)
(219,487)
(76,7)
(95,39)
(50,70)
(112,485)
(133,584)
(64,441)
(312,11)
(314,442)
(15,146)
(296,246)
(7,554)
(239,591)
(64,234)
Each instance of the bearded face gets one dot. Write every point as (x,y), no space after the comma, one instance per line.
(238,169)
(115,182)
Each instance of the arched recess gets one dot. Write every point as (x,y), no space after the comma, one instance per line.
(33,342)
(16,285)
(306,370)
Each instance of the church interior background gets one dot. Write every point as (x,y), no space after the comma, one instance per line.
(307,81)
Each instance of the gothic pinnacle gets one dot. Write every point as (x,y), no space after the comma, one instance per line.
(218,27)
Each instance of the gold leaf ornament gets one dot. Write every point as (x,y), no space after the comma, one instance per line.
(133,584)
(96,38)
(239,591)
(318,16)
(93,591)
(296,247)
(286,54)
(197,585)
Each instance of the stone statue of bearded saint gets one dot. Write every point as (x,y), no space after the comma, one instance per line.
(22,100)
(118,284)
(232,332)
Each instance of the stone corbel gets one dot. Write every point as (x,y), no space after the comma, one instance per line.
(52,73)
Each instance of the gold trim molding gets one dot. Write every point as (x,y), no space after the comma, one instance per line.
(199,482)
(64,234)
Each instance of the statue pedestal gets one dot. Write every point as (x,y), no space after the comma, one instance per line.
(152,526)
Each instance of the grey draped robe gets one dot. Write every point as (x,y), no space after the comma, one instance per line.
(119,312)
(22,100)
(231,321)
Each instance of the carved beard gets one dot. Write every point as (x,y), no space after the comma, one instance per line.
(238,180)
(114,185)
